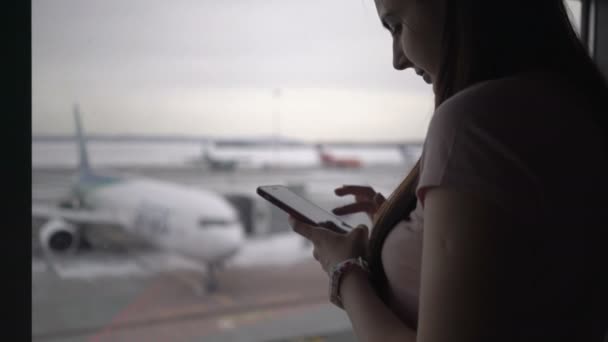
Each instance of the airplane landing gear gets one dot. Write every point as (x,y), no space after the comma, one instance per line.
(211,284)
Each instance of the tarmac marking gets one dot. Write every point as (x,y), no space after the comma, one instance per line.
(227,303)
(133,307)
(196,319)
(193,284)
(289,296)
(196,284)
(226,324)
(252,317)
(225,300)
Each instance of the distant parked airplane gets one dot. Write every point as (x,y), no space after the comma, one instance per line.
(329,160)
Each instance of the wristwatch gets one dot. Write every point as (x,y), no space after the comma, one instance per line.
(336,274)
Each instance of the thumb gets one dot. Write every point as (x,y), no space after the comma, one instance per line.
(359,230)
(379,199)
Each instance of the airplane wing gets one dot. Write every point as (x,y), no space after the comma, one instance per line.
(77,216)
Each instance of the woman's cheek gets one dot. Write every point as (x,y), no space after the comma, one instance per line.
(415,49)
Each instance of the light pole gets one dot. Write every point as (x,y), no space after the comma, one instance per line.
(276,95)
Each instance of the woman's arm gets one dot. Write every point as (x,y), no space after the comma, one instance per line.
(466,245)
(372,320)
(463,282)
(467,279)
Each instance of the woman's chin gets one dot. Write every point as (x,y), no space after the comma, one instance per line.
(427,78)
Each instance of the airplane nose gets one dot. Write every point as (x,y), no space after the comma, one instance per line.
(239,233)
(214,244)
(234,236)
(234,239)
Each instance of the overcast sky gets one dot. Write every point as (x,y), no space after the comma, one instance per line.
(209,67)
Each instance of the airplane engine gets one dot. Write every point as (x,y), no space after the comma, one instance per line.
(58,236)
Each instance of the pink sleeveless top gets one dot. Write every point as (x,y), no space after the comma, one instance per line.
(535,152)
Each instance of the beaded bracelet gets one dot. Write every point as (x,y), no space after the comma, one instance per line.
(336,274)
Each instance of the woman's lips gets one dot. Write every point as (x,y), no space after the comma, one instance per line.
(424,75)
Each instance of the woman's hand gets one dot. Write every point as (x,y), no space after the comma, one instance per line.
(331,248)
(366,200)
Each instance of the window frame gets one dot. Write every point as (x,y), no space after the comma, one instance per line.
(598,33)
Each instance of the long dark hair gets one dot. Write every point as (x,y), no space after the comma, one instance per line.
(485,40)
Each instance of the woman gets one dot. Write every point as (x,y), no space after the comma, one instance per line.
(509,188)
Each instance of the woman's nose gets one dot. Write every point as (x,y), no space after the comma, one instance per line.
(400,62)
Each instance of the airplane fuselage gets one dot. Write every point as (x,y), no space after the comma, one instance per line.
(193,222)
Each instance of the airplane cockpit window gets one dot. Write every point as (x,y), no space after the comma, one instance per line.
(211,222)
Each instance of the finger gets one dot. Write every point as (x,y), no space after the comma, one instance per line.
(379,199)
(357,190)
(301,228)
(354,208)
(312,233)
(359,230)
(364,229)
(291,221)
(315,254)
(331,228)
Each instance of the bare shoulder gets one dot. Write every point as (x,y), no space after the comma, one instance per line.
(517,93)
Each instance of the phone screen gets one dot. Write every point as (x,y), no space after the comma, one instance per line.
(300,207)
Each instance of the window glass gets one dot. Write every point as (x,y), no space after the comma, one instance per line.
(149,226)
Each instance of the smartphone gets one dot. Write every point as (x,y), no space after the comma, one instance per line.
(302,209)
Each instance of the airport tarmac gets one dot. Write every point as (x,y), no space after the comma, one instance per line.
(272,290)
(254,303)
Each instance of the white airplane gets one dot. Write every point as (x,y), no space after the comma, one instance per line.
(198,224)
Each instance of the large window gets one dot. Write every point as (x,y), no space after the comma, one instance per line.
(186,107)
(146,225)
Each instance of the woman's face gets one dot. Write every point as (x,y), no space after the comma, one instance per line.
(416,27)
